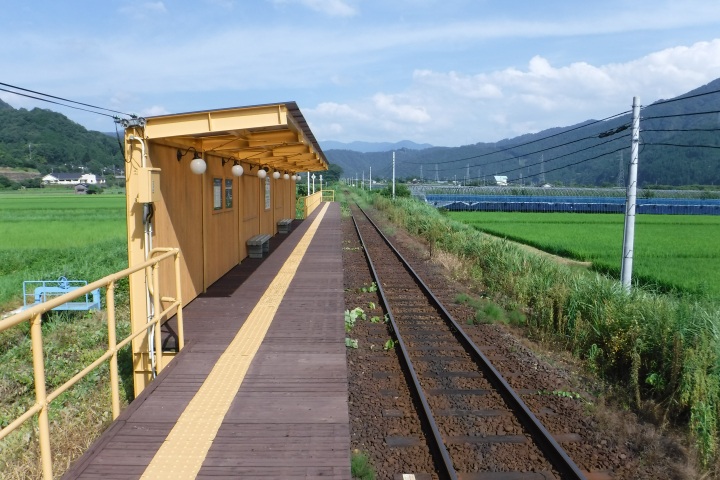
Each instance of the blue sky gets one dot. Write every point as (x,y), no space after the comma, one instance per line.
(445,72)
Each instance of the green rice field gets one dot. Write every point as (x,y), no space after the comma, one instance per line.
(45,236)
(672,252)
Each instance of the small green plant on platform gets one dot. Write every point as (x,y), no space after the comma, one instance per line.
(351,342)
(389,345)
(360,467)
(371,306)
(375,319)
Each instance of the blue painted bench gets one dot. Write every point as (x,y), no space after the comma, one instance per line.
(39,291)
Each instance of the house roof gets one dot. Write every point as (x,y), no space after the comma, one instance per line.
(274,135)
(67,176)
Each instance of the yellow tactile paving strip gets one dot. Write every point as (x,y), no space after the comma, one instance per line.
(184,450)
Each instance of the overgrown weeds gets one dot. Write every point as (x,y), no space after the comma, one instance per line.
(71,341)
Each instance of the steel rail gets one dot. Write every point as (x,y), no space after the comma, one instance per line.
(416,388)
(549,446)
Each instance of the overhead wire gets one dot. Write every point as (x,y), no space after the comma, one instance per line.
(612,132)
(57,103)
(526,143)
(681,129)
(623,127)
(687,114)
(63,99)
(682,146)
(677,99)
(601,135)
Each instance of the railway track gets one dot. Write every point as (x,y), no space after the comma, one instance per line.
(475,425)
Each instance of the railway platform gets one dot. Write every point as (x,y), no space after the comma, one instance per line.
(260,389)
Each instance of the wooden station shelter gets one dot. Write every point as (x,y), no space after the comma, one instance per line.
(206,182)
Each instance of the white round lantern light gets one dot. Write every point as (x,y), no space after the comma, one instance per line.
(286,176)
(198,166)
(237,170)
(276,174)
(262,173)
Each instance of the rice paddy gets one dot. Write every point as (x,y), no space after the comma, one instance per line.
(672,252)
(45,236)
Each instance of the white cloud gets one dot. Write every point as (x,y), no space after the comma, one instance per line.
(398,109)
(144,10)
(154,111)
(452,108)
(333,8)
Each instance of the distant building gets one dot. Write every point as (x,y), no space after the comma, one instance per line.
(81,189)
(501,180)
(69,178)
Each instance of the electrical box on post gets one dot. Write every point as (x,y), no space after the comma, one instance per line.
(148,185)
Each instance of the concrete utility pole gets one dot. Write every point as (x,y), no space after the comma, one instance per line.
(631,200)
(371,178)
(393,189)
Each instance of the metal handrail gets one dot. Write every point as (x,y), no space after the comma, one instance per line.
(34,316)
(328,195)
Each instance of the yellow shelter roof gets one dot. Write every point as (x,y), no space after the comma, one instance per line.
(274,135)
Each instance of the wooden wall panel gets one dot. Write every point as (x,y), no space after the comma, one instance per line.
(280,186)
(221,221)
(178,218)
(266,215)
(250,208)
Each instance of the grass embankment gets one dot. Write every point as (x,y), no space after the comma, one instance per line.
(46,236)
(672,252)
(661,348)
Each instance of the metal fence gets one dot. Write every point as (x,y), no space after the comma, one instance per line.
(577,200)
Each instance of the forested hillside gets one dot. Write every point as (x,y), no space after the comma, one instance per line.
(48,141)
(679,146)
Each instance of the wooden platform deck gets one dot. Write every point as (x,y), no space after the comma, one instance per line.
(289,416)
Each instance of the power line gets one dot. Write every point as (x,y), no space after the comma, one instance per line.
(61,98)
(680,115)
(565,155)
(677,99)
(57,103)
(681,129)
(550,148)
(682,146)
(530,142)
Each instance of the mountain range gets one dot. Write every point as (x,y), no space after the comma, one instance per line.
(367,147)
(679,145)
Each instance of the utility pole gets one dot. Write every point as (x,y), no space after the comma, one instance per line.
(421,174)
(437,178)
(393,180)
(371,177)
(631,199)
